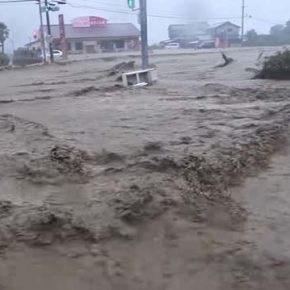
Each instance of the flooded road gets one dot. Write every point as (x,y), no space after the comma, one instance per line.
(267,200)
(173,252)
(150,188)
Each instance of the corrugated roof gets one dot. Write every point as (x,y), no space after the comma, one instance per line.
(110,30)
(216,25)
(32,42)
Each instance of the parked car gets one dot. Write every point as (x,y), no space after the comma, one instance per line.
(193,44)
(56,53)
(207,44)
(172,45)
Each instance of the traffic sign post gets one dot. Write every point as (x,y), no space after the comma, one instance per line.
(144,33)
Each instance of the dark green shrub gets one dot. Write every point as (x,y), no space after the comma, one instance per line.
(4,59)
(276,66)
(24,57)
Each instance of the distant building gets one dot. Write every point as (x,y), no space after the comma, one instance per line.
(94,34)
(33,45)
(186,34)
(227,32)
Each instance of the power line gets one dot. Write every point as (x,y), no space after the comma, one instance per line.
(266,21)
(19,4)
(124,11)
(149,15)
(135,14)
(182,17)
(100,8)
(123,6)
(16,1)
(107,3)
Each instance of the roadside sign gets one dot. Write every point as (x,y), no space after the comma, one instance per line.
(49,8)
(49,38)
(54,9)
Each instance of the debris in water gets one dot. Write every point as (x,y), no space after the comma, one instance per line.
(228,60)
(68,159)
(121,67)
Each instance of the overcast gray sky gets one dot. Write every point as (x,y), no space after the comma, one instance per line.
(22,18)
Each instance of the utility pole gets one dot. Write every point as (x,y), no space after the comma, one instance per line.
(49,31)
(243,20)
(63,42)
(41,31)
(144,33)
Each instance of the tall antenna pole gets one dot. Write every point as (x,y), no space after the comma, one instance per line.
(243,20)
(144,33)
(41,31)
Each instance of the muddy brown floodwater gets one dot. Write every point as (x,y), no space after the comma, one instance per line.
(181,185)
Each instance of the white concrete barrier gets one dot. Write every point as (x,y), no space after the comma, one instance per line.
(146,76)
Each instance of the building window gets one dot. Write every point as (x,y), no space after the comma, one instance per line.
(79,46)
(119,44)
(69,46)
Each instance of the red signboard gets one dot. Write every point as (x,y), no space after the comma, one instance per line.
(62,34)
(89,21)
(35,34)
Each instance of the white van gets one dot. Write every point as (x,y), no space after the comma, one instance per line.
(173,45)
(56,53)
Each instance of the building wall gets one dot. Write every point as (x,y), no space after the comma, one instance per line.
(34,45)
(187,31)
(79,46)
(76,46)
(227,31)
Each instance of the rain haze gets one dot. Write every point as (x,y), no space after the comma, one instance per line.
(22,18)
(125,166)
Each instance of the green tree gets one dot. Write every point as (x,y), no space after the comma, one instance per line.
(277,29)
(4,34)
(287,28)
(252,36)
